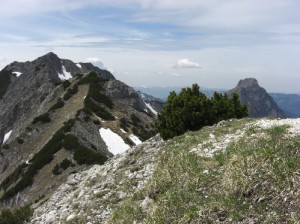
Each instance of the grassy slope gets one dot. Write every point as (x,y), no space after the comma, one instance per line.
(256,179)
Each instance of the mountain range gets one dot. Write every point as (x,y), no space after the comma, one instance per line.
(79,146)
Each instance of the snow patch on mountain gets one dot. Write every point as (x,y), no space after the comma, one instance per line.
(78,65)
(135,139)
(64,75)
(114,142)
(6,136)
(151,108)
(17,73)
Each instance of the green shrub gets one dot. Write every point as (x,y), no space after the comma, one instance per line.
(67,96)
(92,77)
(56,170)
(135,119)
(128,141)
(84,155)
(39,160)
(20,140)
(70,92)
(142,133)
(95,93)
(192,110)
(59,104)
(78,76)
(70,142)
(59,168)
(95,99)
(12,178)
(66,84)
(18,216)
(5,146)
(124,124)
(92,105)
(4,81)
(44,118)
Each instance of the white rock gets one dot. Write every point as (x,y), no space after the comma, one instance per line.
(70,217)
(146,203)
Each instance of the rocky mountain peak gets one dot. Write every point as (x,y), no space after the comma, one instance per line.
(258,101)
(248,83)
(58,117)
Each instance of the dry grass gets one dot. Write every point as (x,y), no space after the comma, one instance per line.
(256,179)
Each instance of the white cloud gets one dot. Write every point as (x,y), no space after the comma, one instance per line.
(96,62)
(185,63)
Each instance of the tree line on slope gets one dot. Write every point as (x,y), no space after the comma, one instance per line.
(191,110)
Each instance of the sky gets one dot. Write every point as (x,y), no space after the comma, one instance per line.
(214,43)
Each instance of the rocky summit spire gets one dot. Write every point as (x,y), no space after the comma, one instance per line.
(258,101)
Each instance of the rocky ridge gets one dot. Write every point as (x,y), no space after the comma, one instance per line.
(96,195)
(90,196)
(258,101)
(51,101)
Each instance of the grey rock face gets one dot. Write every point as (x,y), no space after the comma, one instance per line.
(92,195)
(156,103)
(258,101)
(33,93)
(88,135)
(120,91)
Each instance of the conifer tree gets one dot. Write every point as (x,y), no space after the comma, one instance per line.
(191,110)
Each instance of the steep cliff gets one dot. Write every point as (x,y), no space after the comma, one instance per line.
(258,101)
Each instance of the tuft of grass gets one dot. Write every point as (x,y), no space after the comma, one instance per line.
(17,216)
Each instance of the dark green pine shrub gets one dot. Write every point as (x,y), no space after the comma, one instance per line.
(70,92)
(66,84)
(95,100)
(56,170)
(39,160)
(100,111)
(135,119)
(44,118)
(4,81)
(17,216)
(20,140)
(143,133)
(192,110)
(124,124)
(59,168)
(82,154)
(12,178)
(57,105)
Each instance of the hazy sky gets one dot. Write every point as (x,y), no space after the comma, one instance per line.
(214,43)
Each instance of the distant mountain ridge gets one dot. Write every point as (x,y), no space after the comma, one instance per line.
(289,103)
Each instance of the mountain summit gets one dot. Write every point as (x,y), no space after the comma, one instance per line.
(258,101)
(59,117)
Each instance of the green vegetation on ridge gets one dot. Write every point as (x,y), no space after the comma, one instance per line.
(192,110)
(255,180)
(95,100)
(23,176)
(4,81)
